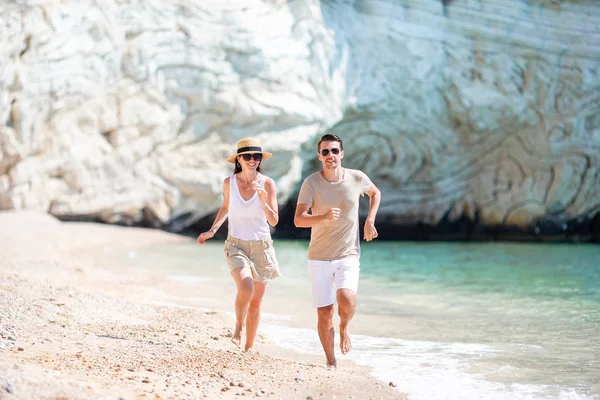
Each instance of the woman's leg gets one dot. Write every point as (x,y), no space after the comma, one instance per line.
(253,318)
(245,292)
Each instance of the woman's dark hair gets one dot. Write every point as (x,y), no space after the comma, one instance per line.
(330,137)
(238,167)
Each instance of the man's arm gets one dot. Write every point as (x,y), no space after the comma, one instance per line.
(374,200)
(302,219)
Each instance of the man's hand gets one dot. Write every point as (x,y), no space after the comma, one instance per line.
(370,231)
(205,236)
(333,214)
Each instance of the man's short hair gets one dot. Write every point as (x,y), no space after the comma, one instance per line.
(330,137)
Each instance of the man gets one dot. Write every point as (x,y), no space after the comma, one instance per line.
(332,197)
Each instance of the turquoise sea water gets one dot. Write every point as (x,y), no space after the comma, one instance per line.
(440,320)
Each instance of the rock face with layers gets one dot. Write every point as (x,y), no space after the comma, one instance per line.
(482,111)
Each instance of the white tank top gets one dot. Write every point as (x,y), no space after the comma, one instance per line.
(247,220)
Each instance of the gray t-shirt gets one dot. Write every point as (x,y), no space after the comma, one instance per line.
(339,238)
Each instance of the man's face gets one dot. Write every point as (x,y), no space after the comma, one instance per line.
(330,154)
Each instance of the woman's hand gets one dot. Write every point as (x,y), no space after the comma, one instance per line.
(261,192)
(204,236)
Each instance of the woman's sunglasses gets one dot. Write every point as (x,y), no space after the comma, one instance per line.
(256,156)
(325,152)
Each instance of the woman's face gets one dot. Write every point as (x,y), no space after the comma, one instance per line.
(250,161)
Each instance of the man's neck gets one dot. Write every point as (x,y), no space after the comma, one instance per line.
(333,175)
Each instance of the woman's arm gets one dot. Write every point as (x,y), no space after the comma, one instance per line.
(221,215)
(268,199)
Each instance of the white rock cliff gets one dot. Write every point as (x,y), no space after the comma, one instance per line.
(124,110)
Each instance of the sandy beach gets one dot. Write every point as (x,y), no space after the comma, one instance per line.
(75,325)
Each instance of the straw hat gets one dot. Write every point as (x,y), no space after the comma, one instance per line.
(249,146)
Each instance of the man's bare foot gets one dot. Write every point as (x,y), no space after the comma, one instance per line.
(345,343)
(237,338)
(332,364)
(249,350)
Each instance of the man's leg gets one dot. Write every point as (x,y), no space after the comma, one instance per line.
(327,333)
(321,278)
(347,271)
(245,291)
(253,317)
(346,306)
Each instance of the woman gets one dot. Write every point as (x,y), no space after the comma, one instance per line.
(250,203)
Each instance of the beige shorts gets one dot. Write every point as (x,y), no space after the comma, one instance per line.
(258,255)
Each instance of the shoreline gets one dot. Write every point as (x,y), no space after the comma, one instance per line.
(75,325)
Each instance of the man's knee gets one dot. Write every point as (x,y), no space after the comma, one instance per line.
(346,297)
(325,313)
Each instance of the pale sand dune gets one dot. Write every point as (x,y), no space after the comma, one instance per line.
(72,328)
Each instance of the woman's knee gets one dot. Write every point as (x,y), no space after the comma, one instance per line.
(258,295)
(254,305)
(246,288)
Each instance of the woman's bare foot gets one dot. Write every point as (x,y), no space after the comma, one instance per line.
(345,343)
(237,338)
(332,364)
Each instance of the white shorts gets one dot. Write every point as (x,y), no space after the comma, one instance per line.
(324,275)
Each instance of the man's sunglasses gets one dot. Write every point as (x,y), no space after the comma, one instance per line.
(325,152)
(256,156)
